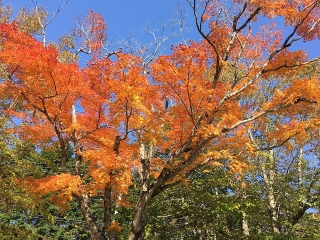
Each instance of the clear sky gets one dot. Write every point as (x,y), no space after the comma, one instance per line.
(121,16)
(125,16)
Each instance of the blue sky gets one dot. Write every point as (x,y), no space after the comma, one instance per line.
(122,16)
(125,16)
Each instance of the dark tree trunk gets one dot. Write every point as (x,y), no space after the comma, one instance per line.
(83,199)
(139,219)
(107,211)
(91,223)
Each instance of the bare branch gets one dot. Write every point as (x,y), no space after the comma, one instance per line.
(44,26)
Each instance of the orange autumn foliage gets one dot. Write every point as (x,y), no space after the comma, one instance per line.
(115,97)
(197,106)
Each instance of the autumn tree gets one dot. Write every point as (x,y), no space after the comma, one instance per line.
(190,109)
(20,216)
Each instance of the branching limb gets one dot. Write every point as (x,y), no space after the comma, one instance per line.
(44,25)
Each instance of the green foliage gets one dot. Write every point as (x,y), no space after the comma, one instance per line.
(14,164)
(215,203)
(206,208)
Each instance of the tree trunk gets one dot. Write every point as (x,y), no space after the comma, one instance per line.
(107,211)
(269,180)
(245,226)
(83,199)
(95,232)
(244,221)
(300,159)
(139,219)
(140,214)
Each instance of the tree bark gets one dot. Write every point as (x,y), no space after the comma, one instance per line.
(95,232)
(269,180)
(244,221)
(300,159)
(299,214)
(107,211)
(64,149)
(245,226)
(83,199)
(140,213)
(139,219)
